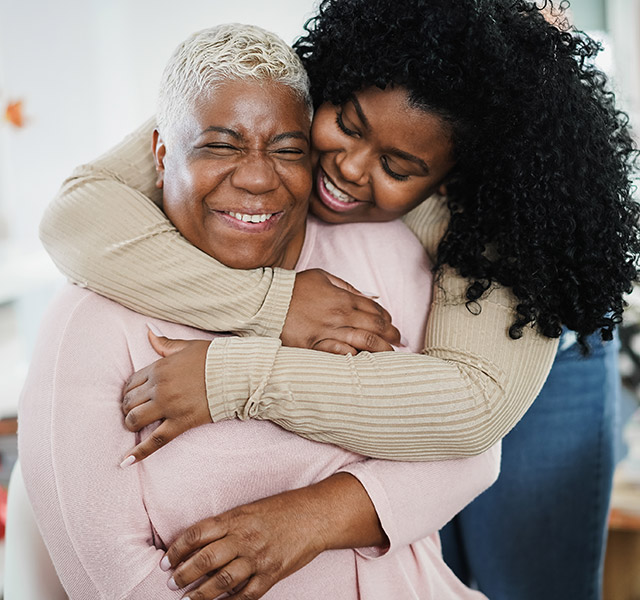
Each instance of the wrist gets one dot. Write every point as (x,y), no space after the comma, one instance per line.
(345,515)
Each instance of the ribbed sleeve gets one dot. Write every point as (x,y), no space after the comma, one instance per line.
(103,233)
(448,402)
(466,391)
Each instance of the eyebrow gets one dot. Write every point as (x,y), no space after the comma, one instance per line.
(299,135)
(400,153)
(360,112)
(226,130)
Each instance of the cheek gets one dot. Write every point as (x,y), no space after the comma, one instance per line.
(181,205)
(180,214)
(399,198)
(298,180)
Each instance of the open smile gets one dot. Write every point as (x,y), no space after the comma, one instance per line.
(249,222)
(247,218)
(332,196)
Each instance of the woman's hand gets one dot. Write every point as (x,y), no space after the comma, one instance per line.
(171,389)
(328,314)
(259,544)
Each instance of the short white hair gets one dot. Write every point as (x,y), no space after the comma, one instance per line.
(226,52)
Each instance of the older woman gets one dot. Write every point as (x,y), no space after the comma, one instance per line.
(232,155)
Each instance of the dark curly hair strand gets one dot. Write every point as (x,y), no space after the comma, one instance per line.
(540,197)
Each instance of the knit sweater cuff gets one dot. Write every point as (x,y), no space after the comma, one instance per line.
(270,320)
(237,372)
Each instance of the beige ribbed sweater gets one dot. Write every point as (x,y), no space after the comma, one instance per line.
(470,386)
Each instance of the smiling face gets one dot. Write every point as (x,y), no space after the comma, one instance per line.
(236,175)
(379,157)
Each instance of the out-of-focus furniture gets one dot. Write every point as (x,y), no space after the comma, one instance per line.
(622,562)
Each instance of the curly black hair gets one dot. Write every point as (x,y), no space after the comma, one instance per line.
(541,194)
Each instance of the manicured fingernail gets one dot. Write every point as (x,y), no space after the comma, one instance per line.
(127,462)
(165,565)
(371,295)
(171,584)
(186,598)
(154,329)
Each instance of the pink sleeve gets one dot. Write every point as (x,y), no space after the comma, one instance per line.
(415,500)
(90,511)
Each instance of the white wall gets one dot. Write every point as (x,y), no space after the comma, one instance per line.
(589,14)
(623,17)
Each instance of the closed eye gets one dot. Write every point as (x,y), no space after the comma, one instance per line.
(222,149)
(290,153)
(343,127)
(389,171)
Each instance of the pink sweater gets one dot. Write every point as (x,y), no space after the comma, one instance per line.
(106,527)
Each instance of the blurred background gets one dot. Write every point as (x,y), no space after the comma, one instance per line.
(78,75)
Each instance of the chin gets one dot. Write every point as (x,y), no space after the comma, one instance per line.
(246,265)
(242,262)
(319,210)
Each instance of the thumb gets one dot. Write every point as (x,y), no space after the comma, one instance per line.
(165,346)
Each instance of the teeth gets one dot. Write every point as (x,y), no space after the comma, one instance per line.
(335,192)
(250,218)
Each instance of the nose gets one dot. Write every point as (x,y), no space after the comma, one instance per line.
(255,174)
(353,165)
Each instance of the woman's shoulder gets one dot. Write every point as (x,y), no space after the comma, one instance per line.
(76,304)
(429,222)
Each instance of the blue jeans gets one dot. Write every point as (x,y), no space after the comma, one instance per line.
(540,531)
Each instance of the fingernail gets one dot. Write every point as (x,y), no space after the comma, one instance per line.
(171,584)
(165,565)
(154,329)
(371,295)
(186,598)
(127,462)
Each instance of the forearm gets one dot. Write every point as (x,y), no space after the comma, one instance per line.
(458,399)
(343,513)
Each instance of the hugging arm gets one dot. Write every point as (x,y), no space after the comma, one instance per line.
(376,506)
(397,406)
(467,390)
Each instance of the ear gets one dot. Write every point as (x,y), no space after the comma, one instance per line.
(159,153)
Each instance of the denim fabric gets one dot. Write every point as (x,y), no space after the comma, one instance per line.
(540,531)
